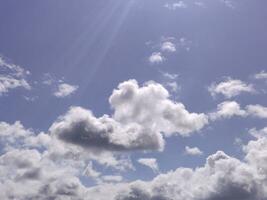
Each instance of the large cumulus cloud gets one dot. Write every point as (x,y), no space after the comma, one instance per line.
(150,106)
(142,116)
(80,127)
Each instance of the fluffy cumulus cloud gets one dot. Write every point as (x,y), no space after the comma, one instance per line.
(257,110)
(132,103)
(150,162)
(64,90)
(156,58)
(54,165)
(80,127)
(28,173)
(131,127)
(12,76)
(222,177)
(229,109)
(37,166)
(30,170)
(193,151)
(230,88)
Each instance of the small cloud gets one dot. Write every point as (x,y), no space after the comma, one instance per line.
(261,75)
(193,151)
(169,76)
(230,88)
(150,162)
(168,46)
(174,6)
(156,58)
(48,79)
(65,90)
(30,98)
(173,86)
(257,110)
(227,109)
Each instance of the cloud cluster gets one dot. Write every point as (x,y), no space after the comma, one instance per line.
(222,177)
(166,46)
(28,173)
(228,109)
(49,165)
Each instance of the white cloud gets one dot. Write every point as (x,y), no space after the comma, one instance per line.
(261,75)
(131,127)
(169,76)
(228,109)
(150,162)
(12,76)
(168,46)
(257,111)
(134,104)
(258,133)
(156,58)
(174,6)
(65,90)
(193,151)
(14,70)
(230,88)
(31,173)
(8,82)
(80,127)
(173,86)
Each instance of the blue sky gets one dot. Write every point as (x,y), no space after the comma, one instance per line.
(110,98)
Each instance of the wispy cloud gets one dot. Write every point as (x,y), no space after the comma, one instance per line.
(12,76)
(151,163)
(176,5)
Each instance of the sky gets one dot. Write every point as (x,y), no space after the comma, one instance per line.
(133,100)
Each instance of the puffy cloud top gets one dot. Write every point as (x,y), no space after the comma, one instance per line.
(150,106)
